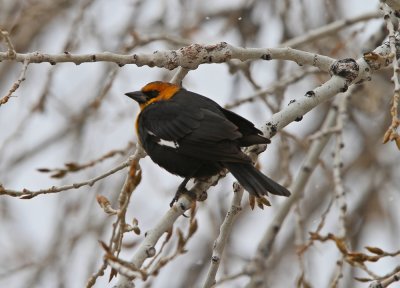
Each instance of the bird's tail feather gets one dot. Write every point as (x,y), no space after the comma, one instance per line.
(255,182)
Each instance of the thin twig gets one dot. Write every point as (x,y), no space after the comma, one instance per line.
(16,84)
(10,47)
(278,84)
(329,29)
(73,167)
(28,194)
(390,279)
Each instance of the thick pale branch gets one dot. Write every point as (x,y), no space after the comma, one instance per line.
(189,57)
(179,75)
(338,182)
(392,134)
(222,239)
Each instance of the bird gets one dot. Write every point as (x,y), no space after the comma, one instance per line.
(192,136)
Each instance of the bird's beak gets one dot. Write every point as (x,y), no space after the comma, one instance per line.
(138,96)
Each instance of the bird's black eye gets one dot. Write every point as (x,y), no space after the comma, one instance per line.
(151,93)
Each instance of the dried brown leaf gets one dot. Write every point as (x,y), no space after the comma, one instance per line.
(193,227)
(105,205)
(371,56)
(113,273)
(363,279)
(162,262)
(397,141)
(102,200)
(252,201)
(137,178)
(341,245)
(357,257)
(71,166)
(59,174)
(169,234)
(105,247)
(26,196)
(133,168)
(264,201)
(387,135)
(314,235)
(181,240)
(375,250)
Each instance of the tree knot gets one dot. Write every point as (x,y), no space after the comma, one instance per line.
(346,68)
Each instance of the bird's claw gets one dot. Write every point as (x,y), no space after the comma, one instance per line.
(178,194)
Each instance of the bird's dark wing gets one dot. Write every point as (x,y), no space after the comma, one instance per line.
(168,121)
(251,135)
(197,127)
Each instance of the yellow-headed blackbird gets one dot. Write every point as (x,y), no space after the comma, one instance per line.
(192,136)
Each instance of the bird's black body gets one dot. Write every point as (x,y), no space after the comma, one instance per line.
(192,136)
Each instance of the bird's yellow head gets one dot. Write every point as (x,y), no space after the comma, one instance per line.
(153,92)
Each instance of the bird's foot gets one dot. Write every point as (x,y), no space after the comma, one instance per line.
(181,191)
